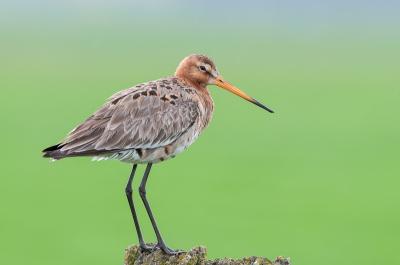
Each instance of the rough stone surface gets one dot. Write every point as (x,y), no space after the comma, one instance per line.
(196,256)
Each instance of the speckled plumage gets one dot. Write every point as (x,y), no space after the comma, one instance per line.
(147,123)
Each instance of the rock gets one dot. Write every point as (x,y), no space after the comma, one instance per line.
(196,256)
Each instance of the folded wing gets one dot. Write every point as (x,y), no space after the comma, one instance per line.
(150,115)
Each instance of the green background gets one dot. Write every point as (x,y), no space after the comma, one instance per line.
(317,180)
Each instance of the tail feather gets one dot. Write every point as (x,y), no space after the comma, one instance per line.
(52,148)
(56,153)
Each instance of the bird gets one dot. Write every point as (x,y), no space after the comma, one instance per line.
(147,124)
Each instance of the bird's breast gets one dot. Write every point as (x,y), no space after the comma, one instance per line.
(206,109)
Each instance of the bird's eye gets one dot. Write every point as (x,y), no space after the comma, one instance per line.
(202,68)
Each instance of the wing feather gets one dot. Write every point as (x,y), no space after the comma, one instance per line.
(145,116)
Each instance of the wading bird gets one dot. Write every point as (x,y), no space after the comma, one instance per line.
(149,123)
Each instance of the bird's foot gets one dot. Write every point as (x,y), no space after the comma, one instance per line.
(143,247)
(166,249)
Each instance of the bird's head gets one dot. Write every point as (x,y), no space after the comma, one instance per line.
(198,69)
(201,71)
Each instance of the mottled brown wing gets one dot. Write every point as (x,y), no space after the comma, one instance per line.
(146,116)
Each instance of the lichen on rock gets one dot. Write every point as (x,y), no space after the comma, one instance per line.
(196,256)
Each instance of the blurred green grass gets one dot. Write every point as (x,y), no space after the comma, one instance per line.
(318,179)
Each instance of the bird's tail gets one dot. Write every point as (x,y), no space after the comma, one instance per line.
(54,152)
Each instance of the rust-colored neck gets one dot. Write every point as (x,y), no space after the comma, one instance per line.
(199,87)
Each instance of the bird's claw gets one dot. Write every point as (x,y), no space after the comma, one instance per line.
(170,251)
(143,247)
(155,247)
(166,249)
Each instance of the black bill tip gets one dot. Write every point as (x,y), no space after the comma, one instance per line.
(262,106)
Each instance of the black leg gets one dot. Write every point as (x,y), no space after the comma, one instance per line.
(128,192)
(142,192)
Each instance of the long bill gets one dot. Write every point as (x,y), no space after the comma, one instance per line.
(219,81)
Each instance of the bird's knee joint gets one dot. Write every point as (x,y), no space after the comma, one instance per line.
(128,191)
(142,191)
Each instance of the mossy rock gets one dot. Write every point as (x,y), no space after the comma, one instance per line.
(196,256)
